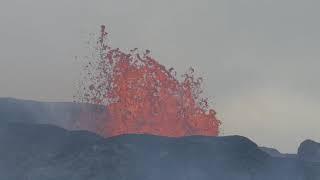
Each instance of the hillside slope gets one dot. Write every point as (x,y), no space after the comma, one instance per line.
(45,152)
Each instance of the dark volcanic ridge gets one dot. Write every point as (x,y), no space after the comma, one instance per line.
(63,114)
(29,150)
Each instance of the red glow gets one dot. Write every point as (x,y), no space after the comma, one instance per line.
(143,97)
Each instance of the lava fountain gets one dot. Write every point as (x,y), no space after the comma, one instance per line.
(144,97)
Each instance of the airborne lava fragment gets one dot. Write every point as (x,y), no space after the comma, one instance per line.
(143,97)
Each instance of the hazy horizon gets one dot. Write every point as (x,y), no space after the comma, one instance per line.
(259,58)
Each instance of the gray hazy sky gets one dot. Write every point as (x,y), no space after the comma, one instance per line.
(260,58)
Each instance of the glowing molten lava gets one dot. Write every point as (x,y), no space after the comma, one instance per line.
(143,97)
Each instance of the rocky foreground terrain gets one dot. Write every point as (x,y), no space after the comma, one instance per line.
(33,151)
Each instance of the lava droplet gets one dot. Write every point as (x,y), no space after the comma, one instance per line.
(143,97)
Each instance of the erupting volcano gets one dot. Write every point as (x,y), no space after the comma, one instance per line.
(143,97)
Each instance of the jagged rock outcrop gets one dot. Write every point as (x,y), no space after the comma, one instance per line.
(309,151)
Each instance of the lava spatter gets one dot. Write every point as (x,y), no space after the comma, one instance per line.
(144,97)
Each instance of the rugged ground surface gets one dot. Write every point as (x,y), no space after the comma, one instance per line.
(32,151)
(45,152)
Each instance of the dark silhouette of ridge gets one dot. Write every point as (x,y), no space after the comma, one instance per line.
(272,152)
(62,114)
(309,151)
(32,149)
(46,152)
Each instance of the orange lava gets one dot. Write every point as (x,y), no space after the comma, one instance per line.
(143,97)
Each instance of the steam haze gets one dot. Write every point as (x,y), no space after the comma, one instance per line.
(260,59)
